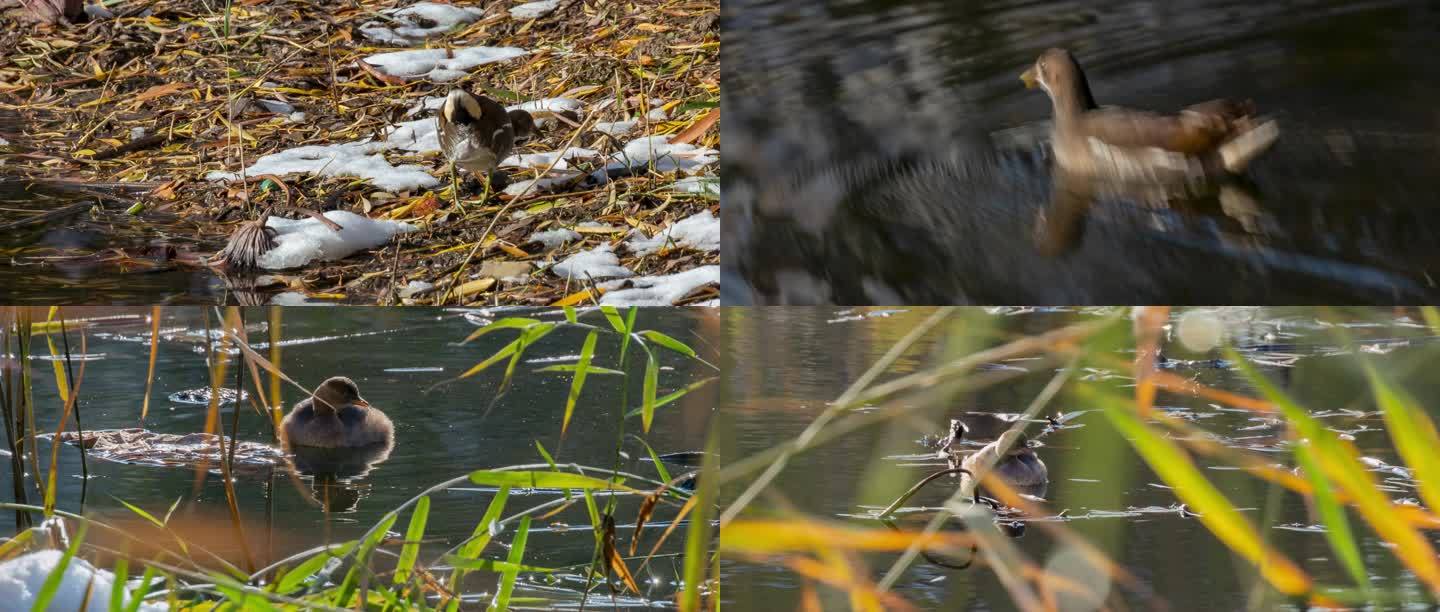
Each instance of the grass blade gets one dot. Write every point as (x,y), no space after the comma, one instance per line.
(652,380)
(507,578)
(1174,466)
(545,480)
(506,323)
(697,539)
(413,535)
(587,352)
(150,373)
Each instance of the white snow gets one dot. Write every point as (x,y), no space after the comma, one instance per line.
(555,179)
(658,290)
(136,133)
(698,184)
(657,114)
(299,242)
(440,64)
(419,136)
(21,579)
(344,159)
(290,298)
(554,238)
(540,161)
(534,10)
(403,26)
(617,128)
(698,231)
(426,103)
(599,262)
(416,287)
(4,142)
(642,152)
(553,105)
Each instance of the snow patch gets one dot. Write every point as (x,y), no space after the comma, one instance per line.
(698,231)
(617,128)
(658,290)
(554,238)
(21,579)
(534,10)
(540,161)
(345,159)
(553,105)
(440,64)
(599,262)
(299,242)
(541,185)
(407,26)
(698,184)
(420,136)
(642,152)
(426,103)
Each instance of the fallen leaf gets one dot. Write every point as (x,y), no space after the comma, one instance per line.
(160,90)
(505,269)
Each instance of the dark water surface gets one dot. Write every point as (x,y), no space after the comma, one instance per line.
(888,153)
(92,252)
(394,355)
(784,365)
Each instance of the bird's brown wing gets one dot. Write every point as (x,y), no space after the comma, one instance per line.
(1228,111)
(1121,127)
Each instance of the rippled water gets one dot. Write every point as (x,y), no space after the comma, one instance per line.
(397,356)
(94,253)
(783,366)
(888,153)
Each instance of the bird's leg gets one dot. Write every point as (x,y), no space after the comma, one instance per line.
(455,189)
(485,197)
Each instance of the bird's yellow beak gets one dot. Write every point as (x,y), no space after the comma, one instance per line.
(1029,77)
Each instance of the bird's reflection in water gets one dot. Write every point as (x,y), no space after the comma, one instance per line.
(1231,207)
(337,475)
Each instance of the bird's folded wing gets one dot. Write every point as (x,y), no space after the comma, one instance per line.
(1131,128)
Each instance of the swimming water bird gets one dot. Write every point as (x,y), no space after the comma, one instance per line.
(477,133)
(336,416)
(1019,466)
(1204,141)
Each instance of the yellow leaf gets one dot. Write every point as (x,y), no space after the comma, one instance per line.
(475,286)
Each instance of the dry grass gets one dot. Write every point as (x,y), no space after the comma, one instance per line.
(180,71)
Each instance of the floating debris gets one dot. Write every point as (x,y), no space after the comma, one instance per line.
(201,396)
(143,447)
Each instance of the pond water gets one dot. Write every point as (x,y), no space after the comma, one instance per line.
(889,153)
(783,365)
(88,251)
(397,357)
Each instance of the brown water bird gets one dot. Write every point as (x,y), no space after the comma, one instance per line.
(1205,141)
(477,133)
(336,416)
(1019,467)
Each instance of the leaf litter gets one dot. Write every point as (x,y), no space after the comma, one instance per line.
(192,119)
